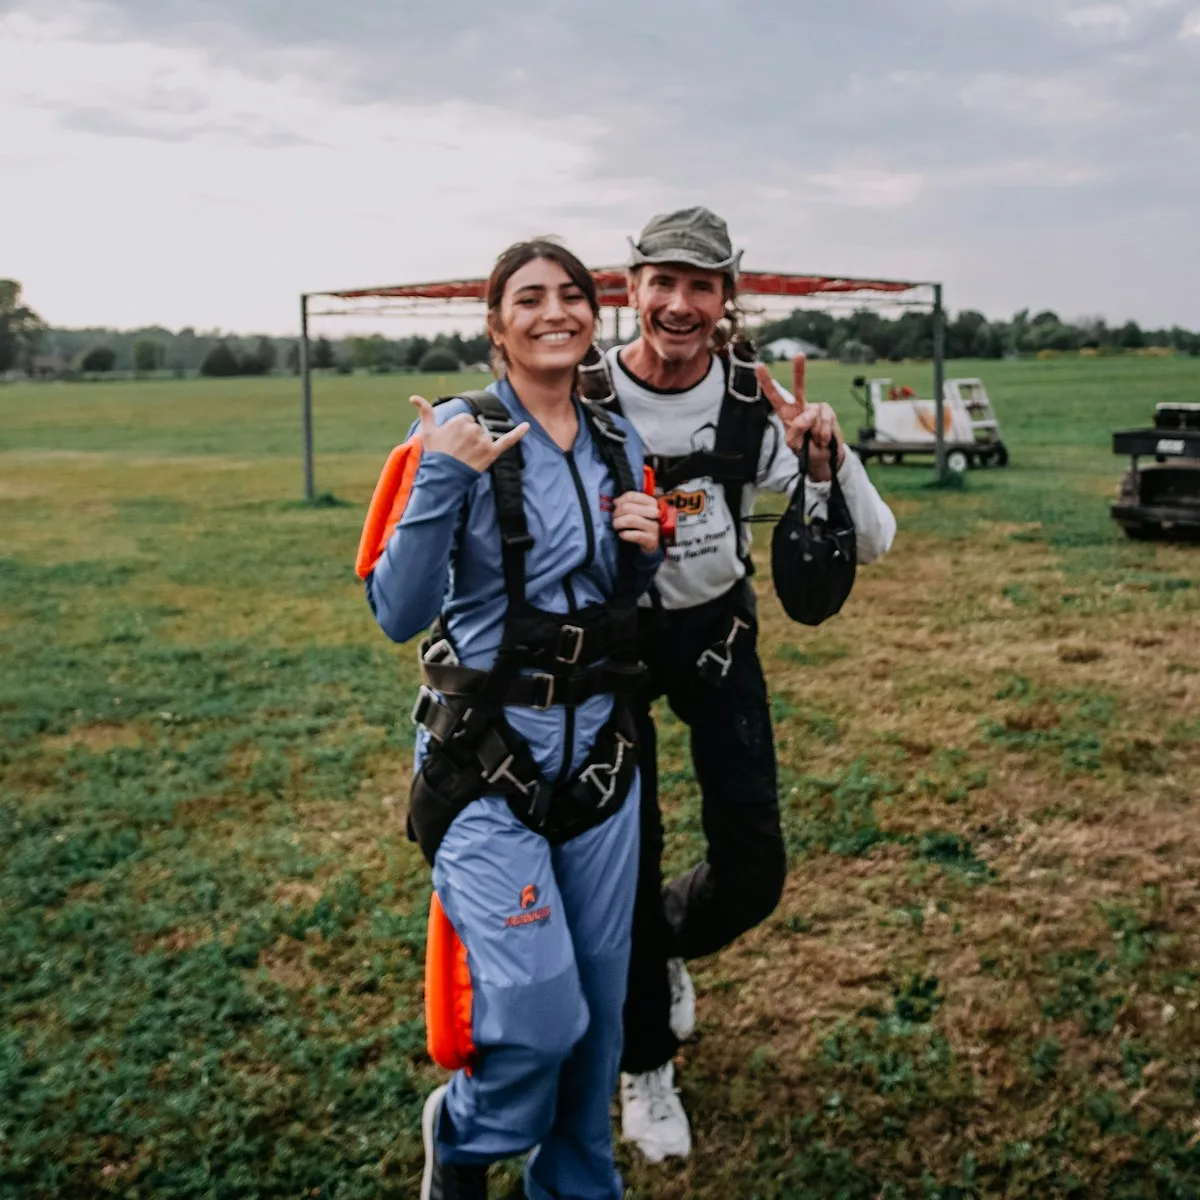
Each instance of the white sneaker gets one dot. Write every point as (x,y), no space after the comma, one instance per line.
(652,1115)
(683,1000)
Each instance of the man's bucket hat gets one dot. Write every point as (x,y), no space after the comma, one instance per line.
(693,237)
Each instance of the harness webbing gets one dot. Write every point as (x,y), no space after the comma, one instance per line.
(575,655)
(737,446)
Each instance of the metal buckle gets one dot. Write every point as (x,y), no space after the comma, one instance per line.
(425,699)
(596,368)
(542,676)
(576,646)
(736,366)
(495,428)
(502,772)
(611,430)
(592,774)
(714,654)
(440,652)
(711,655)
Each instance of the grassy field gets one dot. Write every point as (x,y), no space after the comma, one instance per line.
(983,978)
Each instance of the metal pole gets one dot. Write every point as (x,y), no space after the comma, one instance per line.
(939,382)
(617,324)
(306,399)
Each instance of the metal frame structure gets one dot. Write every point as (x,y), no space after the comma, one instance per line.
(612,291)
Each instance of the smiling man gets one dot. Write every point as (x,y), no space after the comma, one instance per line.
(717,430)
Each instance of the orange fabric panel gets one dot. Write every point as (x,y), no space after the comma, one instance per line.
(648,481)
(387,504)
(448,993)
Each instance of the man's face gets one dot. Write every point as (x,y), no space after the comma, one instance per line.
(679,308)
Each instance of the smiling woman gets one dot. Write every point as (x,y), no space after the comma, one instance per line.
(518,514)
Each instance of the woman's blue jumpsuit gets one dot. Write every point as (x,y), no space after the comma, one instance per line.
(547,992)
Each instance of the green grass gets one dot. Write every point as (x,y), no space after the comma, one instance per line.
(981,980)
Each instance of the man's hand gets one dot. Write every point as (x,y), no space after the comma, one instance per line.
(800,418)
(635,518)
(463,437)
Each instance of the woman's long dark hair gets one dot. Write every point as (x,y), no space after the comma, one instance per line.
(511,261)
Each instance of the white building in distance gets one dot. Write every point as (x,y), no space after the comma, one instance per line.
(787,348)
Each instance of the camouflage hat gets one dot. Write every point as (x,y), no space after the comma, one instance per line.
(693,237)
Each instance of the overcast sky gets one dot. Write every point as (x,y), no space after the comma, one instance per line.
(202,162)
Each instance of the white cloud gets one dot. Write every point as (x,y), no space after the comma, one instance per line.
(1105,18)
(1044,101)
(863,187)
(1191,25)
(155,185)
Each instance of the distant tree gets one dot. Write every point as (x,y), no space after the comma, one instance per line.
(220,361)
(986,342)
(293,358)
(323,357)
(21,329)
(439,359)
(1018,332)
(1184,341)
(261,359)
(148,355)
(99,359)
(960,334)
(1130,336)
(414,350)
(854,351)
(1093,332)
(372,353)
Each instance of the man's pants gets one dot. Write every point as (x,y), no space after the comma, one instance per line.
(741,880)
(546,930)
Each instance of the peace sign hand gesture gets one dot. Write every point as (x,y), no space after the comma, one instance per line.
(463,437)
(800,418)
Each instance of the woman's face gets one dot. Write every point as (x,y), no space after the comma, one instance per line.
(545,323)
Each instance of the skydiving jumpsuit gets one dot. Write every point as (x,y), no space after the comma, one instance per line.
(546,927)
(697,593)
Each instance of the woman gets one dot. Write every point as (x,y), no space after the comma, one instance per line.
(520,521)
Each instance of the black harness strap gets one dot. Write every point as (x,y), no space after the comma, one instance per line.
(475,749)
(737,446)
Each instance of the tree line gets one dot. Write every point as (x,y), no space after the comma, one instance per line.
(861,335)
(864,335)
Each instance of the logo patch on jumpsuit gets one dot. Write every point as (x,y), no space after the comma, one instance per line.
(528,914)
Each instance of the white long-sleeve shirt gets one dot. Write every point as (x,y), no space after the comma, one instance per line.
(707,560)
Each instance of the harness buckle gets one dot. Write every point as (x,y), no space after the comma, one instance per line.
(518,541)
(570,644)
(503,772)
(425,700)
(547,681)
(741,376)
(592,774)
(440,652)
(495,427)
(715,662)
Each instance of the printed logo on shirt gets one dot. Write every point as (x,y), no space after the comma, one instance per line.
(528,896)
(688,504)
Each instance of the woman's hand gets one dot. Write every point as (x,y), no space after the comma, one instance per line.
(798,419)
(635,518)
(463,437)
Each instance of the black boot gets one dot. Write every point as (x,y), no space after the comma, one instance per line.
(447,1181)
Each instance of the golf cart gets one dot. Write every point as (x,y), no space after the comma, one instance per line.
(898,424)
(1162,499)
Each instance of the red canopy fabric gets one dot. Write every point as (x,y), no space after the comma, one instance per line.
(610,286)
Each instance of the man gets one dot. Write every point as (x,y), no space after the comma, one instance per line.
(718,429)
